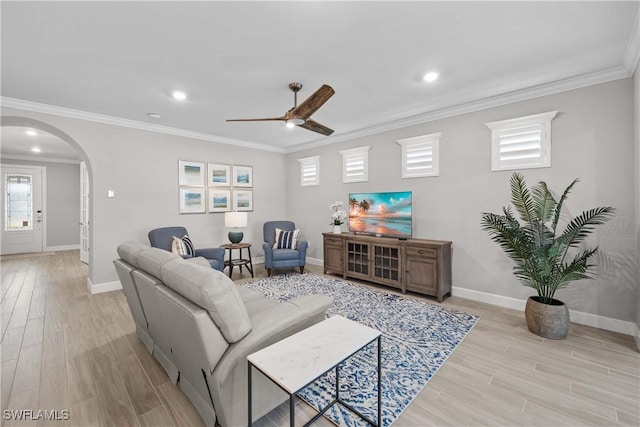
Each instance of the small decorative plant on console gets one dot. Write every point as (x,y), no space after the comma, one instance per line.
(544,260)
(338,216)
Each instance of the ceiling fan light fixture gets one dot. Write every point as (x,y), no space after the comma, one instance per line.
(295,122)
(179,95)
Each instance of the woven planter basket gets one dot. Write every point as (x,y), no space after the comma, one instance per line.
(547,320)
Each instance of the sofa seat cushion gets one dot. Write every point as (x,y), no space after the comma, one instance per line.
(285,254)
(213,291)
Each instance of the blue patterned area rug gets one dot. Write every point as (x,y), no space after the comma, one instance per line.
(417,338)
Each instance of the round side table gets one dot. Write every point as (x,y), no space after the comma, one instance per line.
(240,261)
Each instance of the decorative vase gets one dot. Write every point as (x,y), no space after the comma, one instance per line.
(547,320)
(337,229)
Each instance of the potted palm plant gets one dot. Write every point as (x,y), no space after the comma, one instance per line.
(545,259)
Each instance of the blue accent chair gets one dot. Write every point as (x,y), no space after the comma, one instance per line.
(163,238)
(282,258)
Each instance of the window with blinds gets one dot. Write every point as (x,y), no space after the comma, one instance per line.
(420,156)
(309,171)
(521,143)
(355,164)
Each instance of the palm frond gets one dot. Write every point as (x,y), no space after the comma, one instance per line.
(565,194)
(582,225)
(543,202)
(521,199)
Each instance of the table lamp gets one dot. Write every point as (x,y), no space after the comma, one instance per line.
(235,219)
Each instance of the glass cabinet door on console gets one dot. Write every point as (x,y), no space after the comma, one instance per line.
(387,264)
(358,259)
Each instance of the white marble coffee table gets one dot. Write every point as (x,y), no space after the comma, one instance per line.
(299,360)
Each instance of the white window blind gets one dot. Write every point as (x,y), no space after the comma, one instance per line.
(309,171)
(355,167)
(420,156)
(521,143)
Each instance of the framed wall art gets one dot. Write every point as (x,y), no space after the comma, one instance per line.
(191,173)
(219,175)
(242,176)
(219,200)
(242,200)
(192,200)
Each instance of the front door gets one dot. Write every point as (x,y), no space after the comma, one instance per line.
(22,209)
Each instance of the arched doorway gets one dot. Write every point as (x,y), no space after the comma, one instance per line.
(37,127)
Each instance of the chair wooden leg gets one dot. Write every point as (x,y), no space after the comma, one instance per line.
(302,269)
(268,272)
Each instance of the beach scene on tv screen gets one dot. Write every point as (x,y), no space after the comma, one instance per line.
(381,213)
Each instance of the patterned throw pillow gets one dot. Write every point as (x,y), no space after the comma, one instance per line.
(182,246)
(286,239)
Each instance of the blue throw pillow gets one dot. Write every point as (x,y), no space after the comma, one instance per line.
(286,239)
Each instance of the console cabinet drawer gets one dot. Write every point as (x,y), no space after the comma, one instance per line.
(421,252)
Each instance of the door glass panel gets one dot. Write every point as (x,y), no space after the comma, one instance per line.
(18,202)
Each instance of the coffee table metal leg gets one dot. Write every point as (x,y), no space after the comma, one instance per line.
(380,381)
(250,261)
(292,410)
(249,392)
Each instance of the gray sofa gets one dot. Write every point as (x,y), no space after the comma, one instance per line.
(200,327)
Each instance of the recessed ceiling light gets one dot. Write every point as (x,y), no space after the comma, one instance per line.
(179,95)
(154,115)
(31,132)
(431,76)
(36,149)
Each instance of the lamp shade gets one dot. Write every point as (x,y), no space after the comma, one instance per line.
(235,219)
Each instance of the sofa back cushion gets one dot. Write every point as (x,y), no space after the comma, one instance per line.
(129,251)
(151,260)
(213,291)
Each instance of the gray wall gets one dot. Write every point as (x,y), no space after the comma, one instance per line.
(142,168)
(592,140)
(63,201)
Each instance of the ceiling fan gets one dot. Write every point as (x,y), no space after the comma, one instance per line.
(299,115)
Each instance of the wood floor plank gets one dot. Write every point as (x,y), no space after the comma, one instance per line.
(182,413)
(111,391)
(27,375)
(156,417)
(80,379)
(11,344)
(22,401)
(33,332)
(141,391)
(7,373)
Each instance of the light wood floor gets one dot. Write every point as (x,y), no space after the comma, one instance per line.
(64,349)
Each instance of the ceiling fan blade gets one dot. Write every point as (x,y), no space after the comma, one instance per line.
(312,103)
(316,127)
(264,119)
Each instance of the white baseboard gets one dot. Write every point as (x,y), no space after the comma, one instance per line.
(99,288)
(62,248)
(315,261)
(637,337)
(597,321)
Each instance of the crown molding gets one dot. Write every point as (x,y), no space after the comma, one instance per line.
(632,53)
(133,124)
(461,107)
(39,159)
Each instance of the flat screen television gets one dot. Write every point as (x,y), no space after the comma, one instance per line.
(384,214)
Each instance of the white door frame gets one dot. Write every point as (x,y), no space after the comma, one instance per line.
(85,194)
(43,194)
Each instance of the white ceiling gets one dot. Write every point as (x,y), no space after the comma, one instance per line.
(235,59)
(17,144)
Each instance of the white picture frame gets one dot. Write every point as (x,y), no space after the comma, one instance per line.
(192,200)
(242,176)
(218,175)
(242,200)
(219,200)
(191,174)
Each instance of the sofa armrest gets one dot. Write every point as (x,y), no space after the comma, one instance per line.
(269,326)
(302,250)
(268,254)
(212,253)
